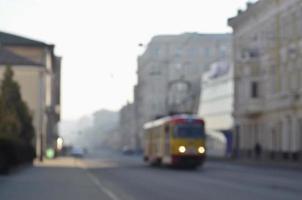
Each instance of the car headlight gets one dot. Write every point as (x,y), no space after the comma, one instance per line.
(201,150)
(182,149)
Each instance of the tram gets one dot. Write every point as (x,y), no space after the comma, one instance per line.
(176,141)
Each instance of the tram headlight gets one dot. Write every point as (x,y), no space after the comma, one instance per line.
(201,150)
(182,149)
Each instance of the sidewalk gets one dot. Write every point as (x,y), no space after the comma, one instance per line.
(57,179)
(291,165)
(57,162)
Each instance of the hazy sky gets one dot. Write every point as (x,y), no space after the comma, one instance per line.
(99,39)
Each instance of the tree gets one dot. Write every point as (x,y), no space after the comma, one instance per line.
(15,119)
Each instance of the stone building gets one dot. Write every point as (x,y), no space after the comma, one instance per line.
(268,78)
(38,72)
(169,73)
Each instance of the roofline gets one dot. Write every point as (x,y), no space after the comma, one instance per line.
(35,43)
(195,33)
(251,7)
(191,34)
(27,45)
(22,65)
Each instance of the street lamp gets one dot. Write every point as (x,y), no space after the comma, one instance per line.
(60,143)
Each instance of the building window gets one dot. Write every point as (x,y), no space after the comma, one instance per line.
(253,53)
(223,50)
(207,51)
(254,90)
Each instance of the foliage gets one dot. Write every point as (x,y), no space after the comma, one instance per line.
(15,119)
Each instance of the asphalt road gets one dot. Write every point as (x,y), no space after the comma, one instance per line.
(109,176)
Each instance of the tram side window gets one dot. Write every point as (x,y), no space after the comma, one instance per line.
(189,131)
(167,129)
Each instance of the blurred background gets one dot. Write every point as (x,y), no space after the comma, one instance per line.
(84,83)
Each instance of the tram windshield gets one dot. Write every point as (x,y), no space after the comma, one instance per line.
(189,131)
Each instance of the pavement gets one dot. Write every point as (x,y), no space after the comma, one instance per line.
(52,180)
(107,175)
(280,164)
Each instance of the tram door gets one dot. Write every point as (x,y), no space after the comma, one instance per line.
(167,140)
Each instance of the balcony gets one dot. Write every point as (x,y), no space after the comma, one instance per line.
(250,56)
(254,107)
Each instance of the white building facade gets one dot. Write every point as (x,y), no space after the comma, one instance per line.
(268,78)
(216,107)
(217,94)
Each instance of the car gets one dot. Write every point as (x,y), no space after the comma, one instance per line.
(77,152)
(127,150)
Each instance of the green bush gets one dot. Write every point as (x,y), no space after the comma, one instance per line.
(16,128)
(14,153)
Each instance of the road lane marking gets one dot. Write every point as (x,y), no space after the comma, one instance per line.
(101,187)
(96,181)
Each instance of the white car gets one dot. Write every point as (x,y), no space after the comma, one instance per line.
(77,152)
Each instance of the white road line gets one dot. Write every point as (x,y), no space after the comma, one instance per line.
(101,187)
(96,181)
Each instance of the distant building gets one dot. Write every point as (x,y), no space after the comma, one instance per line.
(268,78)
(127,127)
(38,71)
(216,105)
(169,73)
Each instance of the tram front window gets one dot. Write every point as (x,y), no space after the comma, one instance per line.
(189,131)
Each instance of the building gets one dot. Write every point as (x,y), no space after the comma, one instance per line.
(38,71)
(169,73)
(127,127)
(268,79)
(216,106)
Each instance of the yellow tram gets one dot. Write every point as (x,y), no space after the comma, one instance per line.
(175,140)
